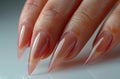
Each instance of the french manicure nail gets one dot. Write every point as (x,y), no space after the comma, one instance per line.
(23,40)
(39,47)
(101,45)
(65,46)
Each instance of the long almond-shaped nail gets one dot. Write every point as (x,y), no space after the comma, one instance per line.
(23,39)
(101,45)
(65,46)
(39,47)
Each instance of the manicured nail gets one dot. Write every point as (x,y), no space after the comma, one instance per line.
(65,46)
(101,45)
(39,47)
(24,39)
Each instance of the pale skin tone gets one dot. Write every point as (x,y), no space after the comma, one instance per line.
(69,24)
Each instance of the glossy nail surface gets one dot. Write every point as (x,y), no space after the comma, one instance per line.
(23,40)
(39,47)
(101,45)
(65,46)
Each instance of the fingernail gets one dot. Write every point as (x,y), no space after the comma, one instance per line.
(65,46)
(39,47)
(101,45)
(23,40)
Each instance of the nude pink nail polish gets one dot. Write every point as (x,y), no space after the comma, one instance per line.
(105,44)
(65,46)
(40,46)
(101,45)
(24,39)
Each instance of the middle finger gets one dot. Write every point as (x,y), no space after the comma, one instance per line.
(49,27)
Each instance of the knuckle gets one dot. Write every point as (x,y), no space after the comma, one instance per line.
(51,10)
(85,19)
(86,14)
(33,3)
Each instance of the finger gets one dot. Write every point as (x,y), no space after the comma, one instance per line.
(82,25)
(108,37)
(28,18)
(48,29)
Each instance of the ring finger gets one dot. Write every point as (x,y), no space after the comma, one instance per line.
(80,28)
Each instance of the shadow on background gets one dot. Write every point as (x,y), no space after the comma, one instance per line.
(79,62)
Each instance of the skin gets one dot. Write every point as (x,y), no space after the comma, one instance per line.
(45,23)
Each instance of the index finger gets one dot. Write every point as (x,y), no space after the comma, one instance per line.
(28,18)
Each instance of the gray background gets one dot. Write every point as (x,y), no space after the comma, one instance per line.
(11,68)
(9,16)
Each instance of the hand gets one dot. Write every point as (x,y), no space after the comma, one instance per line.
(69,24)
